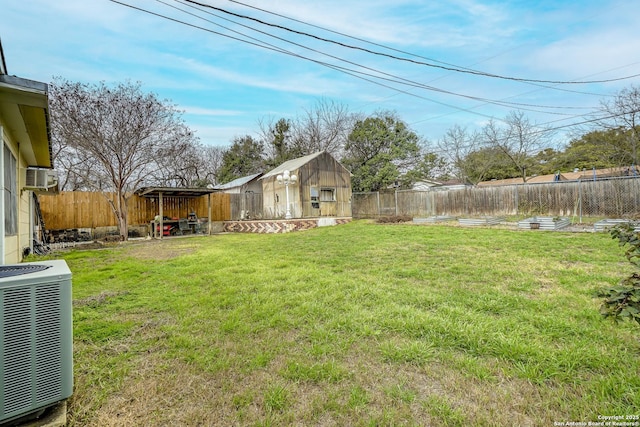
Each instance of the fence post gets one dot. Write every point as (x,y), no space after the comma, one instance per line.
(580,199)
(515,188)
(378,197)
(396,197)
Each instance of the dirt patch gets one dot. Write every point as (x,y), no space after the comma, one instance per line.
(97,300)
(144,249)
(160,250)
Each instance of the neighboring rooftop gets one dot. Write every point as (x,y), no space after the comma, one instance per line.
(583,175)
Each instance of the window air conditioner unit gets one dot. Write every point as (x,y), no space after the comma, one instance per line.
(40,179)
(36,338)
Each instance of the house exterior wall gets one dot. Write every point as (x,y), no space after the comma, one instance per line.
(13,245)
(323,189)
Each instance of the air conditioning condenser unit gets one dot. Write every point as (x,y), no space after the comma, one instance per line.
(40,178)
(36,338)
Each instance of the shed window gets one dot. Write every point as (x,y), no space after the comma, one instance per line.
(315,198)
(10,194)
(327,194)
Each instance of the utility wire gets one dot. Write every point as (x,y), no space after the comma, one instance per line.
(443,67)
(265,45)
(392,77)
(277,49)
(351,72)
(413,54)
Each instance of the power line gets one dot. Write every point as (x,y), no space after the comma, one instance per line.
(280,50)
(419,56)
(392,77)
(359,74)
(443,67)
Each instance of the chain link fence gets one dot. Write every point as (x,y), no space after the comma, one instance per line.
(602,198)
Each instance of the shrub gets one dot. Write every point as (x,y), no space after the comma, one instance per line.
(622,302)
(394,219)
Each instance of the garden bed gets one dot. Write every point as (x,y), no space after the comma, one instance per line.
(487,220)
(607,224)
(544,223)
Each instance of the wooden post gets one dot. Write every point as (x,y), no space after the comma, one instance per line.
(209,209)
(161,215)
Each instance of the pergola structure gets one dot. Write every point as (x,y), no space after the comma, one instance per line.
(160,192)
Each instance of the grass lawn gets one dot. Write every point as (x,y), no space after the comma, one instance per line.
(360,324)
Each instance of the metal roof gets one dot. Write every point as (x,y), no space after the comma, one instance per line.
(238,182)
(292,165)
(173,192)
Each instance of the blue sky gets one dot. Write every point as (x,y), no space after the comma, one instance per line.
(226,86)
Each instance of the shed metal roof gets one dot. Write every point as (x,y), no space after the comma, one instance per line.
(292,164)
(237,182)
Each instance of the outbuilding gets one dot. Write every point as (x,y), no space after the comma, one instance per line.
(322,188)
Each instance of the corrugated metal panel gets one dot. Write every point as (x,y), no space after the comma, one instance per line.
(543,223)
(238,182)
(488,220)
(607,224)
(291,165)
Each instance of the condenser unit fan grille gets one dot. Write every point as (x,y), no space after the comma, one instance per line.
(36,347)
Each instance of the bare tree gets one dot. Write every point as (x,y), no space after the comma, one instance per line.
(189,165)
(518,140)
(325,127)
(212,159)
(120,131)
(622,114)
(456,147)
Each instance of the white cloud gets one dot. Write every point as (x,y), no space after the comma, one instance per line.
(199,111)
(590,55)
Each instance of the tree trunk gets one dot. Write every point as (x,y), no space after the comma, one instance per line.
(119,208)
(123,226)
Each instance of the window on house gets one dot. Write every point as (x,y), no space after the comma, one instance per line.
(327,194)
(10,194)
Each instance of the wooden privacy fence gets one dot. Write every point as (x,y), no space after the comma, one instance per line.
(245,206)
(85,209)
(614,198)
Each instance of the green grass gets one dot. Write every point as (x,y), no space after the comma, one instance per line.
(359,324)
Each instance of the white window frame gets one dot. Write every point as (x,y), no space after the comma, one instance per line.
(324,191)
(10,187)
